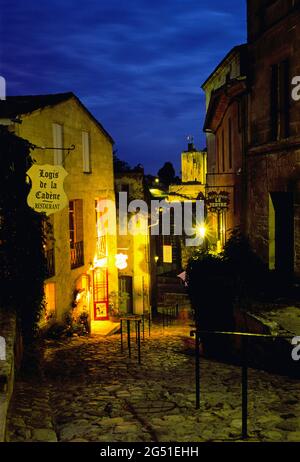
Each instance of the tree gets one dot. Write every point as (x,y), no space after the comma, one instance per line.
(166,174)
(120,166)
(22,259)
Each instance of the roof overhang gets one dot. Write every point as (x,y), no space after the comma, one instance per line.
(220,101)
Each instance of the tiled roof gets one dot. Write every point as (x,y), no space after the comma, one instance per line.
(14,106)
(17,105)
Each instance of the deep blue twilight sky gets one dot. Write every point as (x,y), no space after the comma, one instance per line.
(138,65)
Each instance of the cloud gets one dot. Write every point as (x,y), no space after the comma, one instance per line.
(138,64)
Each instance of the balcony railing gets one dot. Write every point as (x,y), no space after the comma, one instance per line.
(50,262)
(77,257)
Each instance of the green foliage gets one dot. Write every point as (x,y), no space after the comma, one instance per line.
(217,282)
(210,291)
(69,327)
(249,274)
(55,331)
(120,166)
(22,259)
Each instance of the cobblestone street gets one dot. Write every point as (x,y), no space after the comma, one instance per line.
(92,392)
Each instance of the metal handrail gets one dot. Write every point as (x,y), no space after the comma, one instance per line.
(137,319)
(244,337)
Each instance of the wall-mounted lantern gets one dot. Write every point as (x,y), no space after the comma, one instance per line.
(121,260)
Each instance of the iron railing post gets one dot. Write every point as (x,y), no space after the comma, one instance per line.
(197,369)
(128,338)
(139,340)
(244,387)
(121,326)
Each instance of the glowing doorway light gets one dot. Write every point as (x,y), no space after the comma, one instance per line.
(121,261)
(100,262)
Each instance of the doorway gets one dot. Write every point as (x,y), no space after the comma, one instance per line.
(100,294)
(125,294)
(283,204)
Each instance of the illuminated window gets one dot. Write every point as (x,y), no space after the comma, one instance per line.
(223,152)
(229,144)
(76,232)
(280,101)
(50,299)
(101,243)
(85,282)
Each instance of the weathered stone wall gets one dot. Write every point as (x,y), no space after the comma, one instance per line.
(193,166)
(8,331)
(99,184)
(137,247)
(273,166)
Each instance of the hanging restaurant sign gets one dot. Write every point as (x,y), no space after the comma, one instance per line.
(217,201)
(47,188)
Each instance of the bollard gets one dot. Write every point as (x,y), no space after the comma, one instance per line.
(121,326)
(149,326)
(136,331)
(128,338)
(197,369)
(139,340)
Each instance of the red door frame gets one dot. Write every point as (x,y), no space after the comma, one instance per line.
(102,301)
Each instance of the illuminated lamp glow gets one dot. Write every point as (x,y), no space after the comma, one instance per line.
(201,230)
(100,262)
(121,261)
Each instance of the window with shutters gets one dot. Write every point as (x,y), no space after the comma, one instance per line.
(229,144)
(49,246)
(86,153)
(280,101)
(76,233)
(58,144)
(223,152)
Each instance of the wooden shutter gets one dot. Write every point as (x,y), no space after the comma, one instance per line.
(79,220)
(284,87)
(58,144)
(86,152)
(274,102)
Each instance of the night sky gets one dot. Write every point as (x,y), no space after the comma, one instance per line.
(137,65)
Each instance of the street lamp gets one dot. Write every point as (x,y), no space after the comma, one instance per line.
(201,230)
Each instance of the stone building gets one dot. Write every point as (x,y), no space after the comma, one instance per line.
(80,255)
(135,277)
(273,168)
(191,188)
(225,126)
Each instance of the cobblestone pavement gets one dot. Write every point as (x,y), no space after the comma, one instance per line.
(92,392)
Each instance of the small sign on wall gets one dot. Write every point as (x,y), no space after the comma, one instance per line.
(47,192)
(167,254)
